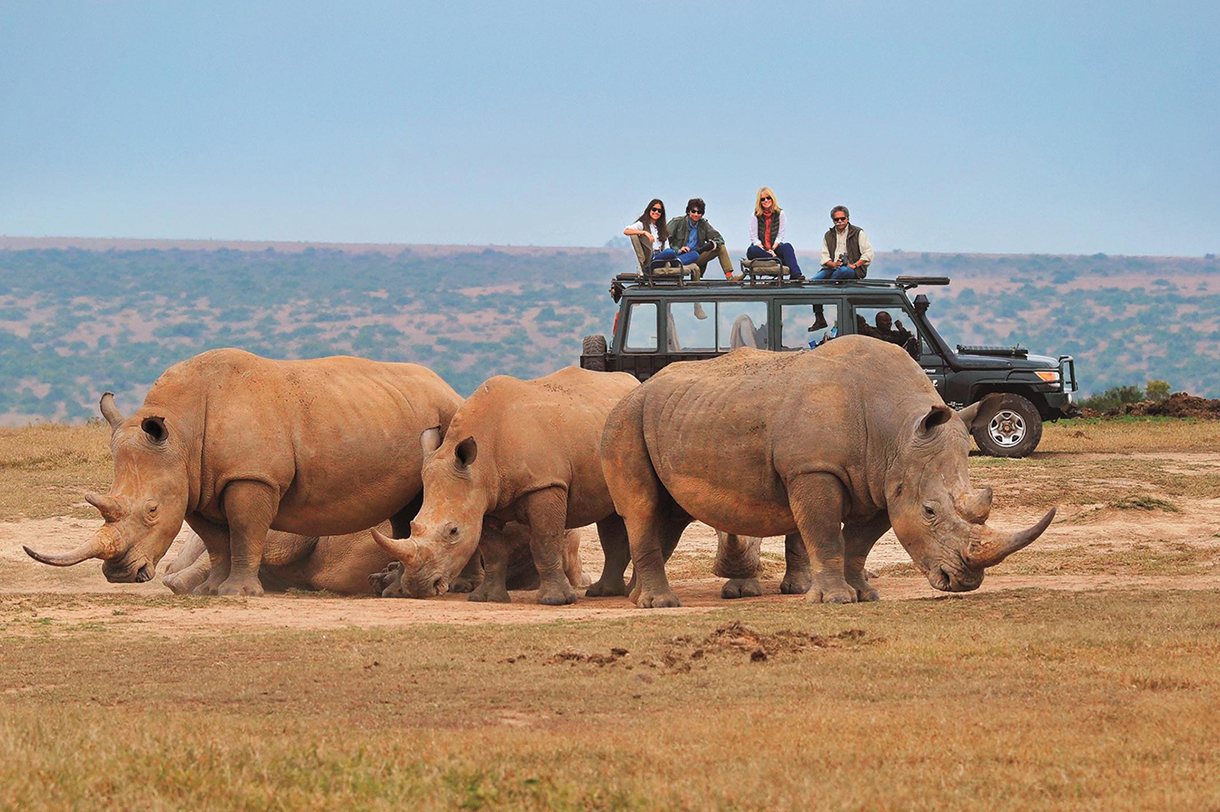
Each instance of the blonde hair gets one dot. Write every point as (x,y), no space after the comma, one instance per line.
(766,190)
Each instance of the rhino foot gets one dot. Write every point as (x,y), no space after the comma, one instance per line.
(865,592)
(486,593)
(796,583)
(463,585)
(831,589)
(656,600)
(176,584)
(381,581)
(556,594)
(244,588)
(606,588)
(211,586)
(741,588)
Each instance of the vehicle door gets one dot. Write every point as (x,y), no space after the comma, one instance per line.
(798,323)
(712,326)
(890,320)
(638,338)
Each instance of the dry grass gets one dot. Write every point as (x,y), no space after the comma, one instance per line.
(46,469)
(1130,435)
(1030,700)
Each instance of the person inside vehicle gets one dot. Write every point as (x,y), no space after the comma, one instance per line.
(696,241)
(846,254)
(654,234)
(891,331)
(767,233)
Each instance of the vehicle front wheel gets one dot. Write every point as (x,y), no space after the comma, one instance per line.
(1013,429)
(595,348)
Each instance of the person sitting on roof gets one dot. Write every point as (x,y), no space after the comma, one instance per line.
(767,233)
(654,234)
(846,252)
(696,241)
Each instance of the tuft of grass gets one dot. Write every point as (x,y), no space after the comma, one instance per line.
(1143,501)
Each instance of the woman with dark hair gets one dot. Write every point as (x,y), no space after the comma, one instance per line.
(652,230)
(767,232)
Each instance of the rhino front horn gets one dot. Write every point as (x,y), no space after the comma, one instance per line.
(110,508)
(993,546)
(402,549)
(94,548)
(110,411)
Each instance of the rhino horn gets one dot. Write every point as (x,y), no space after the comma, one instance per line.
(96,547)
(991,546)
(110,411)
(402,549)
(111,508)
(976,507)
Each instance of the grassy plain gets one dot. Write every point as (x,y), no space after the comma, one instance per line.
(1097,687)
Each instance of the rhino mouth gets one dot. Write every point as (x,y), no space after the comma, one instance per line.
(127,574)
(947,579)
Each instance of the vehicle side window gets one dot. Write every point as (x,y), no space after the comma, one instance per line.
(688,332)
(642,327)
(796,319)
(890,324)
(742,324)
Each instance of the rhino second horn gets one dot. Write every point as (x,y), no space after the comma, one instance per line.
(994,546)
(94,548)
(110,411)
(977,507)
(402,549)
(110,508)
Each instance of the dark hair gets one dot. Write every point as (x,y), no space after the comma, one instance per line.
(662,232)
(696,203)
(843,209)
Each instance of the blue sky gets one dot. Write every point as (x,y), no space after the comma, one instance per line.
(993,127)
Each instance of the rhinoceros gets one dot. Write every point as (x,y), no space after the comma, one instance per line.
(236,444)
(524,451)
(354,564)
(831,446)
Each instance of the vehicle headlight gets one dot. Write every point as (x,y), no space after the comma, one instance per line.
(1048,375)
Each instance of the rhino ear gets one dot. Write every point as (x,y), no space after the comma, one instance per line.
(985,406)
(936,416)
(430,439)
(465,452)
(154,429)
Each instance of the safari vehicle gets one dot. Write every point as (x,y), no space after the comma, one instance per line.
(663,319)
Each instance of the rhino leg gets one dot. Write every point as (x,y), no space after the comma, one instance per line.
(192,548)
(216,539)
(817,502)
(738,560)
(612,534)
(495,551)
(548,511)
(572,567)
(470,576)
(184,581)
(798,577)
(858,540)
(250,507)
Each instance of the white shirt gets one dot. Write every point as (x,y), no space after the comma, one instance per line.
(656,238)
(779,236)
(866,250)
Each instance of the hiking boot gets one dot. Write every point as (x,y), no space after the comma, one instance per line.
(818,324)
(699,314)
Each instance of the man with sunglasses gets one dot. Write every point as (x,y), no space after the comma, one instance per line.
(846,253)
(696,241)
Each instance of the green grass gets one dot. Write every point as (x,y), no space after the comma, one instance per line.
(1022,700)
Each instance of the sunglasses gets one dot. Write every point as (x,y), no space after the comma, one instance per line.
(694,211)
(840,219)
(766,198)
(655,210)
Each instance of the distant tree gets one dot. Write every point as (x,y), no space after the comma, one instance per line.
(1157,390)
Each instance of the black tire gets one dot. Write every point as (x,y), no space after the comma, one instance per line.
(593,353)
(1011,429)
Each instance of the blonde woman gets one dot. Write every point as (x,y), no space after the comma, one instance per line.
(767,232)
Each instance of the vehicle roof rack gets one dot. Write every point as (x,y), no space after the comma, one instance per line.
(998,352)
(908,282)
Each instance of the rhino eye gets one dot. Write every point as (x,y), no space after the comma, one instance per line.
(453,532)
(929,511)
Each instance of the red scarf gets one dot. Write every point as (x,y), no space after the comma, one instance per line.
(767,231)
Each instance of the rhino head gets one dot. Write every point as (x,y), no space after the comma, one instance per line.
(146,505)
(937,516)
(446,531)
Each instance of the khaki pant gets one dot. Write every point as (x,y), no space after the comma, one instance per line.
(726,264)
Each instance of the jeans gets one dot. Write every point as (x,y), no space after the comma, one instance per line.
(783,251)
(836,273)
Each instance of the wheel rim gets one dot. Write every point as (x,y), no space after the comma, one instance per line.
(1007,428)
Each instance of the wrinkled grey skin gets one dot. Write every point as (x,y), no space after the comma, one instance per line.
(831,447)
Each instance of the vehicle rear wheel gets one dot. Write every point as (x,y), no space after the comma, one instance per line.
(595,348)
(1013,429)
